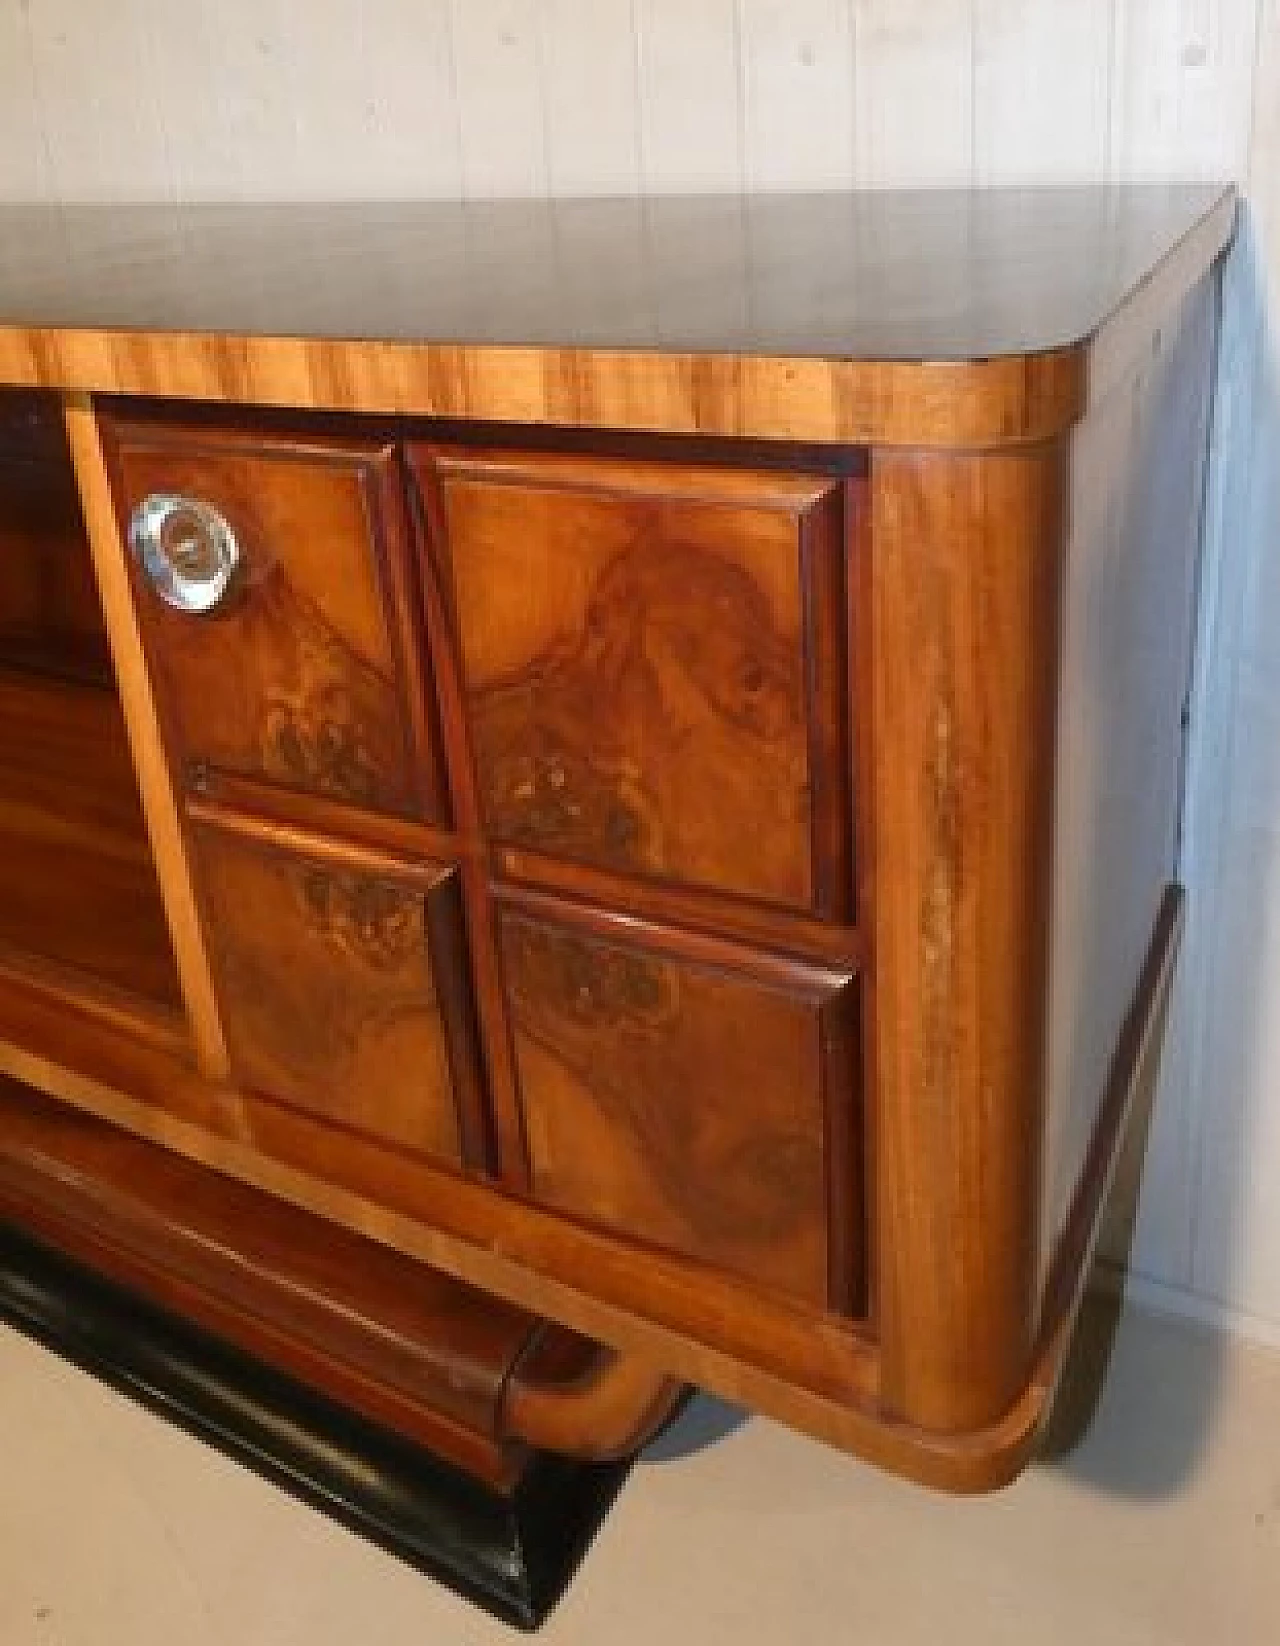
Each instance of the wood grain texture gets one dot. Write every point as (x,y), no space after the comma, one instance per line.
(610,1409)
(968,565)
(641,1301)
(142,725)
(50,619)
(810,1379)
(686,1169)
(911,345)
(395,1340)
(642,671)
(714,914)
(329,975)
(78,888)
(682,1106)
(307,674)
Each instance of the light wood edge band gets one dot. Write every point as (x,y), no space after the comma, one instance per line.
(159,803)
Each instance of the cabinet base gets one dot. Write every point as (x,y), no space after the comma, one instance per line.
(510,1552)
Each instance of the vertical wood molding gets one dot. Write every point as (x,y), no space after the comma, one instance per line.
(966,576)
(159,804)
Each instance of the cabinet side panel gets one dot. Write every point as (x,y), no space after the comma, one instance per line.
(965,579)
(1137,473)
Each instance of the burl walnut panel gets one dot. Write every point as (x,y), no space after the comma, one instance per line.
(682,1104)
(652,660)
(329,977)
(307,675)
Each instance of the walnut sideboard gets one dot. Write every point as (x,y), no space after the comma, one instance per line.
(589,802)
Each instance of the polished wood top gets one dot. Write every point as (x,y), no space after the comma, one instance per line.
(702,314)
(943,275)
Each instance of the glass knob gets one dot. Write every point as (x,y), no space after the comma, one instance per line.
(187,550)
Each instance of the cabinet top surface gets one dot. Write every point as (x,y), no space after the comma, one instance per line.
(911,280)
(943,274)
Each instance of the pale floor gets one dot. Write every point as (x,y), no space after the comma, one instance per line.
(1162,1528)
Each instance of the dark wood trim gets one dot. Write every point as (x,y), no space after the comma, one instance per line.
(511,1144)
(606,1412)
(825,642)
(810,980)
(1132,1064)
(362,1325)
(697,909)
(859,652)
(391,531)
(844,1152)
(512,1552)
(323,827)
(271,834)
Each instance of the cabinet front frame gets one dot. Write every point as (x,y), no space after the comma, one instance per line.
(426,1211)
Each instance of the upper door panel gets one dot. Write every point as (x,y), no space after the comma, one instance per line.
(653,659)
(304,671)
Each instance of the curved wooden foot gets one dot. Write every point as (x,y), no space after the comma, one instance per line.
(605,1409)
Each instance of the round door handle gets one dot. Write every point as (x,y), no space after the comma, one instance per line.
(186,549)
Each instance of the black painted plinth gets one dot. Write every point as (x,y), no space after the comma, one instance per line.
(513,1555)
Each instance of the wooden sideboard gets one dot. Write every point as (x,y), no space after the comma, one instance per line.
(589,802)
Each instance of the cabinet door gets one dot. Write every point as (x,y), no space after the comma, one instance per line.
(343,993)
(704,1108)
(306,671)
(654,666)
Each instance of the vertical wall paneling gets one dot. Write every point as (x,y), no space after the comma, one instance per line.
(498,59)
(400,133)
(797,92)
(1182,79)
(99,84)
(913,91)
(244,138)
(24,159)
(1030,120)
(1235,812)
(1264,156)
(592,107)
(689,74)
(1164,1246)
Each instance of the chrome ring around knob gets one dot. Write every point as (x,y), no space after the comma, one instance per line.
(186,548)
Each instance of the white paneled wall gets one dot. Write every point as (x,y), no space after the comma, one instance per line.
(334,98)
(457,97)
